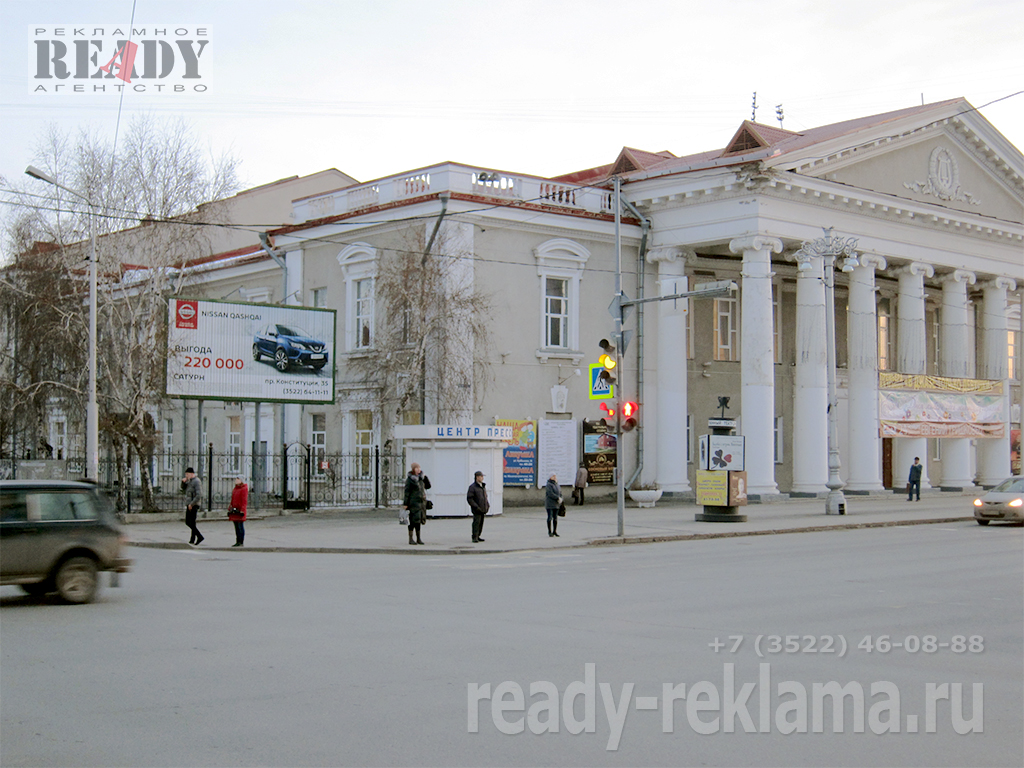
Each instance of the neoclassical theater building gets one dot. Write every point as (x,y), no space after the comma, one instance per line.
(927,314)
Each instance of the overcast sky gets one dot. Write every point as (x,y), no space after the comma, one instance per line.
(374,87)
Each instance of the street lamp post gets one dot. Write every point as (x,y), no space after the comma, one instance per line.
(92,411)
(829,248)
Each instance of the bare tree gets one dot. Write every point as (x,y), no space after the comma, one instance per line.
(142,197)
(428,354)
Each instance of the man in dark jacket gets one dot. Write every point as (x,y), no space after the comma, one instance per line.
(416,485)
(478,503)
(914,481)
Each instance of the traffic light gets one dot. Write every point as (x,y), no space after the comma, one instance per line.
(630,416)
(607,361)
(609,411)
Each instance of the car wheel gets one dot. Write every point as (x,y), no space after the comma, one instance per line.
(77,580)
(37,588)
(982,522)
(256,353)
(281,360)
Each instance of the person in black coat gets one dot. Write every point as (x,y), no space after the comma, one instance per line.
(914,481)
(552,501)
(476,495)
(416,485)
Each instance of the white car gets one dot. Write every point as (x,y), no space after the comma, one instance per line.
(1004,503)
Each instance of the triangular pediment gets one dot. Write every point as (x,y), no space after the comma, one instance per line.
(939,169)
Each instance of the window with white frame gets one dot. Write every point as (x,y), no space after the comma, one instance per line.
(779,456)
(234,443)
(318,442)
(1012,349)
(364,312)
(777,321)
(319,297)
(168,445)
(556,313)
(59,438)
(363,442)
(885,360)
(258,295)
(726,329)
(560,266)
(359,266)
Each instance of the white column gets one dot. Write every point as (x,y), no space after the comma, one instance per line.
(671,396)
(994,452)
(911,346)
(757,360)
(864,456)
(955,361)
(810,385)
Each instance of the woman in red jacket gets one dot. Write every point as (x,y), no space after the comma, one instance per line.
(239,502)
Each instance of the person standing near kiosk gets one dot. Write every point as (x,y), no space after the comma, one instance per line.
(478,503)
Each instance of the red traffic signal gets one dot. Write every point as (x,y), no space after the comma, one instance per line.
(630,416)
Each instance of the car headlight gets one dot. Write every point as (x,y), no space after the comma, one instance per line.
(978,503)
(1016,503)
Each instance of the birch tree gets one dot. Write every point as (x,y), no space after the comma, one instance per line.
(143,194)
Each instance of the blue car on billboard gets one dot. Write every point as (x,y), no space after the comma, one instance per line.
(289,345)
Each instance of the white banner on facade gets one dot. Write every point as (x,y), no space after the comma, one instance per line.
(916,413)
(557,452)
(218,350)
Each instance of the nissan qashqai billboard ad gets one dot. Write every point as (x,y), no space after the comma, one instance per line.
(218,350)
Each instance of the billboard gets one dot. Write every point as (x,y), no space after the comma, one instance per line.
(218,350)
(520,456)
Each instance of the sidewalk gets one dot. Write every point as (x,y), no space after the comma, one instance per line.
(378,531)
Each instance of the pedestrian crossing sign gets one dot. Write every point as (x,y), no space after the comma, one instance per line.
(599,388)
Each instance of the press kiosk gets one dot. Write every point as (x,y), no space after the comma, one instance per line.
(450,454)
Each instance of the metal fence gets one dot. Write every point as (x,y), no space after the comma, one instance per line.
(297,478)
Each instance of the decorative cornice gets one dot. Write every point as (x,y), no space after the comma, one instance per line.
(755,243)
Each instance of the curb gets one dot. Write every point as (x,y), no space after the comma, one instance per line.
(606,542)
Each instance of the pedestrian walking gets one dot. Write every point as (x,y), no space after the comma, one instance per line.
(193,491)
(579,485)
(478,504)
(237,511)
(552,502)
(914,481)
(415,500)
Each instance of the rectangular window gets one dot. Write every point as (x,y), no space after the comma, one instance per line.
(168,445)
(319,297)
(1012,347)
(777,321)
(60,439)
(318,442)
(364,312)
(934,365)
(234,443)
(411,417)
(364,442)
(884,335)
(727,329)
(689,438)
(779,458)
(689,329)
(556,313)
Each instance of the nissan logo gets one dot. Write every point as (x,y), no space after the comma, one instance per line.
(186,311)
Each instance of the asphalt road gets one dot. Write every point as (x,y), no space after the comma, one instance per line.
(282,659)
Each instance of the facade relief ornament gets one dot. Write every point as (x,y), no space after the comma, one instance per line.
(943,179)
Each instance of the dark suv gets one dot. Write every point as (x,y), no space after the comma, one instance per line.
(56,536)
(289,345)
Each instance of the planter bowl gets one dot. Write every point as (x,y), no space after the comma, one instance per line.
(645,498)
